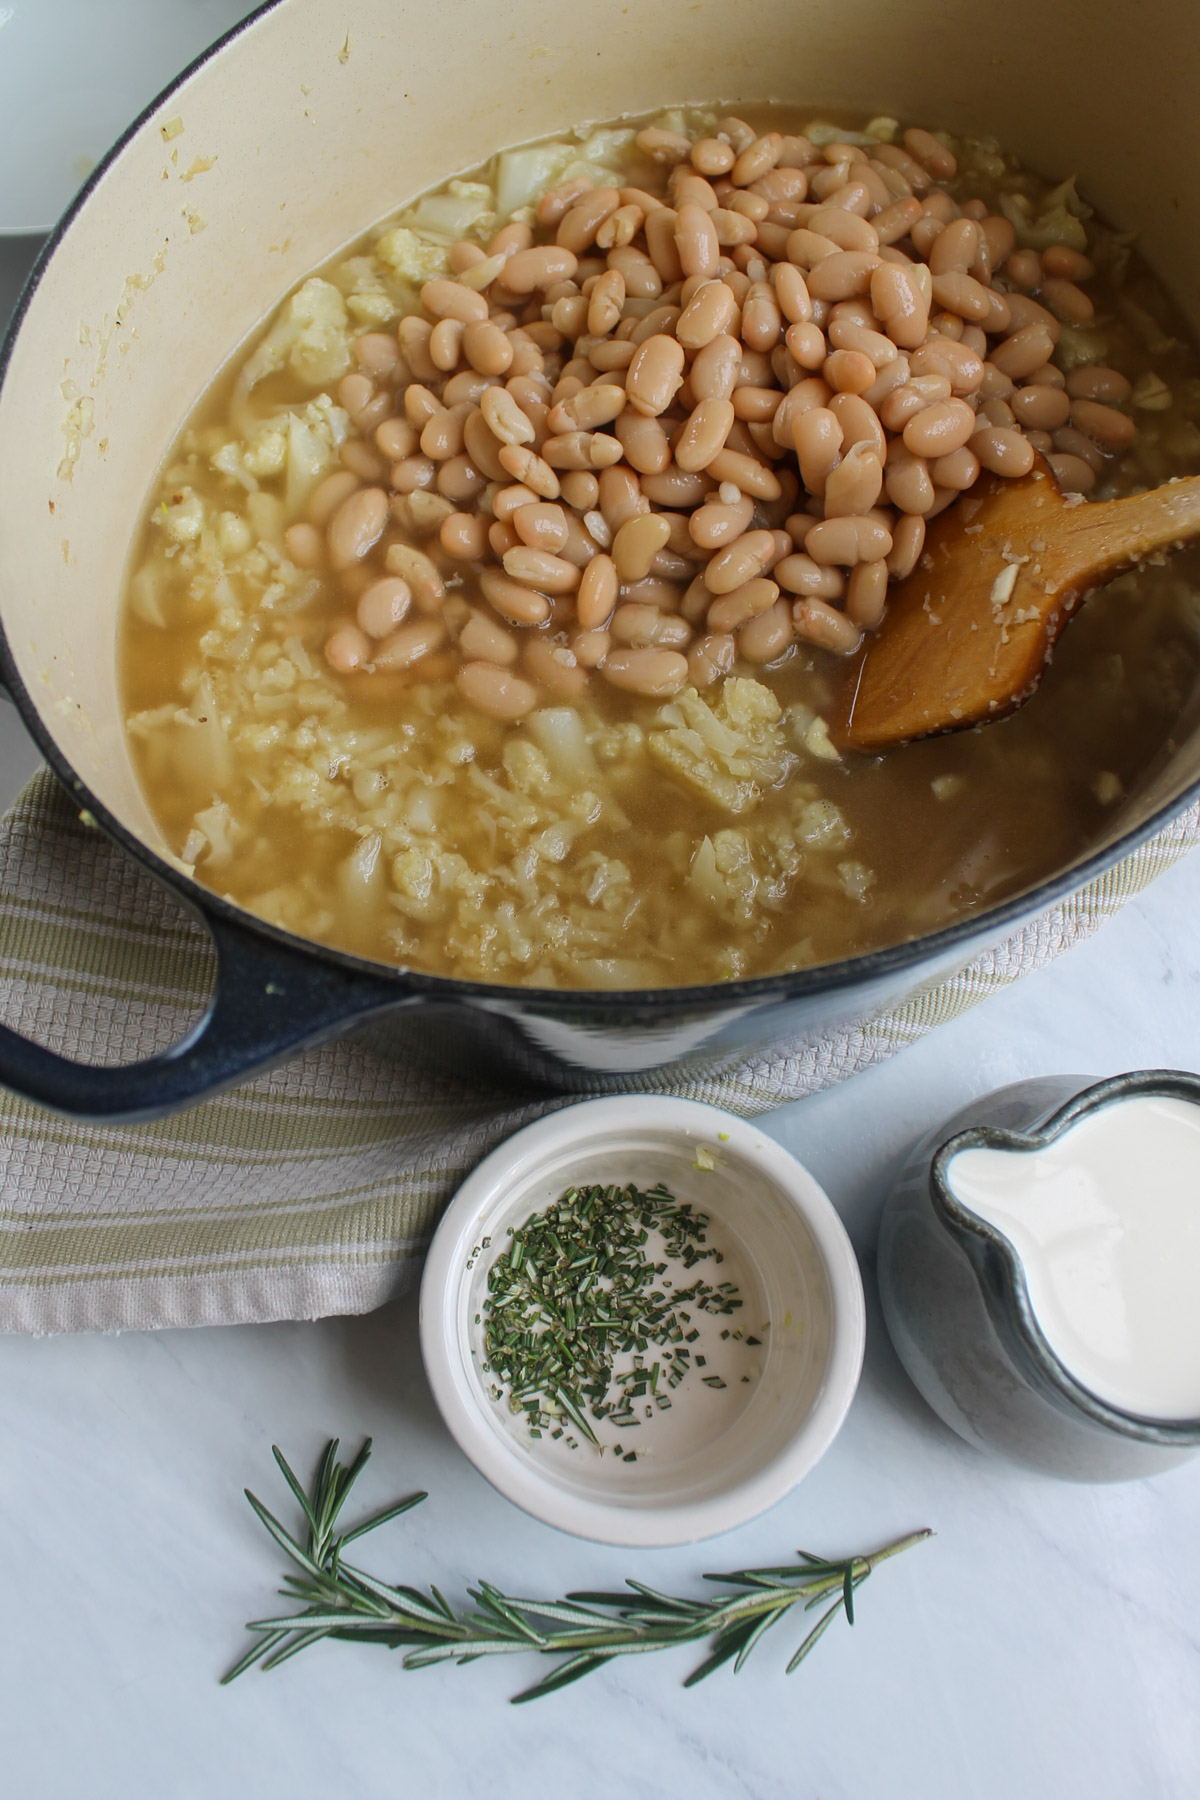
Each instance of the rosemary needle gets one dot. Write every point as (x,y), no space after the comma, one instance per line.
(585,1630)
(575,1291)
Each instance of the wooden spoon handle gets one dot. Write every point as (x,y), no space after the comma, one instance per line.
(1093,541)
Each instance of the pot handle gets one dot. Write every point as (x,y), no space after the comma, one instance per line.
(268,1003)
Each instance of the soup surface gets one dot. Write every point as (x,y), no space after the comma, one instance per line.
(478,624)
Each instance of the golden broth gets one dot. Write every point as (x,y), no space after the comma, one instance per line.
(590,843)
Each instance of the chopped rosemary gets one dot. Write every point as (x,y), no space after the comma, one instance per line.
(586,1630)
(576,1288)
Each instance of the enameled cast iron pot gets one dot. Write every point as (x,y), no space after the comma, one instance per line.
(322,118)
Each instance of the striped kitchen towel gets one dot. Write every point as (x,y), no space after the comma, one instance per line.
(313,1189)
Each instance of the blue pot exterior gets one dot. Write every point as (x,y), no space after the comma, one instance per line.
(276,996)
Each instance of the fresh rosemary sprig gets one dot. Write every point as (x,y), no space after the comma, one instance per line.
(587,1630)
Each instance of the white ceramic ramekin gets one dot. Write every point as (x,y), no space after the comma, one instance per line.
(766,1209)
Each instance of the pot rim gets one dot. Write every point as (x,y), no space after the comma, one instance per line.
(991,924)
(977,1235)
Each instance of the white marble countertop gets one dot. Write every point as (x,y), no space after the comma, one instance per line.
(1045,1643)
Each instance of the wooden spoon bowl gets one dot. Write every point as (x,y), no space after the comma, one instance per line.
(966,636)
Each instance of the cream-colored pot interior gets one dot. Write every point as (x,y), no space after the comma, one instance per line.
(318,119)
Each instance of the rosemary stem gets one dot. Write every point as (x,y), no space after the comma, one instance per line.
(862,1565)
(584,1631)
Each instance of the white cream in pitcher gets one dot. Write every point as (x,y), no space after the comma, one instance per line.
(1106,1223)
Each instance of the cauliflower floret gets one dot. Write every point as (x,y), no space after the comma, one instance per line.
(808,731)
(183,519)
(229,461)
(368,301)
(371,309)
(318,348)
(279,677)
(524,175)
(728,752)
(749,707)
(311,334)
(314,437)
(819,825)
(234,536)
(1078,346)
(463,210)
(723,873)
(411,257)
(525,766)
(856,880)
(266,453)
(608,144)
(219,833)
(1059,222)
(412,875)
(305,442)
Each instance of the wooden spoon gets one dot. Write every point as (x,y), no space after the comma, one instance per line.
(966,636)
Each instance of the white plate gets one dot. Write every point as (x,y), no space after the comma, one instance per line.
(73,75)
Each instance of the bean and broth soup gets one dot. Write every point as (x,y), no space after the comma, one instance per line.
(485,618)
